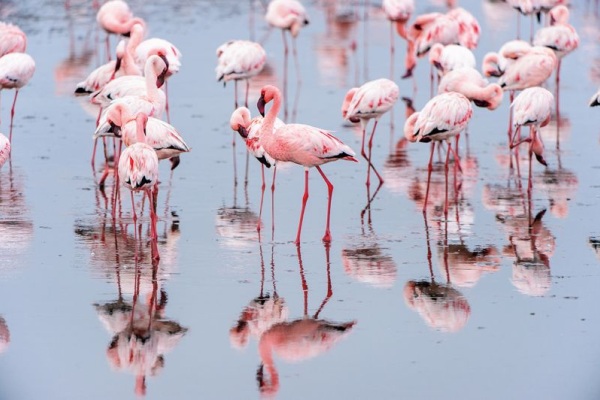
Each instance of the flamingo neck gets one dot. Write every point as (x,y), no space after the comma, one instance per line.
(140,121)
(269,120)
(151,77)
(128,63)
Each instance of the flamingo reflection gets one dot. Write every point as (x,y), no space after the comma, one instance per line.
(261,313)
(142,335)
(298,340)
(441,306)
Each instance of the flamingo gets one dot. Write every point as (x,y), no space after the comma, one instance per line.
(16,69)
(138,170)
(494,64)
(442,118)
(249,130)
(240,60)
(115,17)
(425,31)
(4,149)
(155,46)
(532,107)
(287,15)
(99,77)
(469,82)
(450,57)
(301,144)
(531,69)
(398,12)
(560,36)
(12,39)
(468,27)
(371,100)
(161,136)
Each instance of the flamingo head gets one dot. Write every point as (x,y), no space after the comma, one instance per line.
(240,120)
(435,55)
(409,128)
(491,65)
(493,95)
(267,94)
(559,15)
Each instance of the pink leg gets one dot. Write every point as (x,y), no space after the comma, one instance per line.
(103,177)
(262,196)
(273,202)
(166,85)
(446,172)
(304,200)
(153,220)
(247,91)
(235,91)
(370,149)
(429,169)
(12,115)
(327,236)
(296,63)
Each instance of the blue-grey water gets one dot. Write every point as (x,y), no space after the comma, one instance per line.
(504,307)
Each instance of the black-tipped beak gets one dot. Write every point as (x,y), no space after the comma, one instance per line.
(117,65)
(160,79)
(243,132)
(107,129)
(261,106)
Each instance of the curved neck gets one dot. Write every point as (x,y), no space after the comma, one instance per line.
(140,122)
(151,76)
(269,120)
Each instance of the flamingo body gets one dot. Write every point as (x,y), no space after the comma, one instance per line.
(532,69)
(468,27)
(16,69)
(240,118)
(398,10)
(450,57)
(156,46)
(371,100)
(470,83)
(560,36)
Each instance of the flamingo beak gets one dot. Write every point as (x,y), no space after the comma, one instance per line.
(107,129)
(243,132)
(117,65)
(261,105)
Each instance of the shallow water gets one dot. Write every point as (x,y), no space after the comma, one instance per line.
(504,306)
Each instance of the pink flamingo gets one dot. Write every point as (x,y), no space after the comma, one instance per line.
(560,36)
(12,39)
(532,107)
(494,64)
(16,69)
(442,118)
(301,144)
(249,130)
(161,136)
(115,17)
(287,15)
(425,31)
(398,12)
(138,170)
(4,149)
(239,60)
(469,82)
(370,101)
(146,86)
(99,77)
(529,70)
(450,57)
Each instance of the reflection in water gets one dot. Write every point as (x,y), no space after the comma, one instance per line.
(4,335)
(368,262)
(142,335)
(594,242)
(465,266)
(261,313)
(440,305)
(293,341)
(16,228)
(237,227)
(560,186)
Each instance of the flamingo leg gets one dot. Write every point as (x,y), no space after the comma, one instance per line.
(530,182)
(304,200)
(262,196)
(392,50)
(446,173)
(296,62)
(108,55)
(134,215)
(153,221)
(327,236)
(12,115)
(167,108)
(429,169)
(370,150)
(247,92)
(273,202)
(235,91)
(285,75)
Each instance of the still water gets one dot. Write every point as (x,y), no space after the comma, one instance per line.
(495,301)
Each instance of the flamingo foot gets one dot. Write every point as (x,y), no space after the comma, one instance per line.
(327,237)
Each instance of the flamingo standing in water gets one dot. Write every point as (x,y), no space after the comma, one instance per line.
(560,36)
(442,118)
(240,60)
(115,17)
(138,170)
(301,144)
(12,39)
(494,64)
(469,82)
(4,149)
(532,107)
(249,130)
(398,12)
(450,57)
(371,100)
(287,15)
(16,69)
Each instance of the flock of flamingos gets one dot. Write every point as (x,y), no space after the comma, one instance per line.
(130,91)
